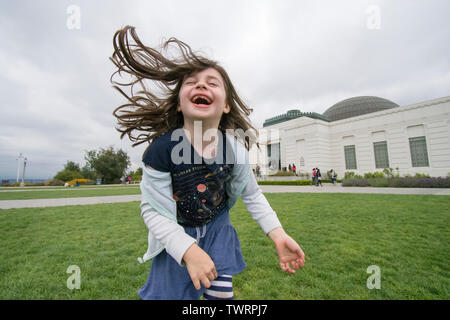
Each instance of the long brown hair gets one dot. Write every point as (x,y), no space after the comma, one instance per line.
(150,113)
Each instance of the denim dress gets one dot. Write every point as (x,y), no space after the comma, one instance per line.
(167,280)
(202,201)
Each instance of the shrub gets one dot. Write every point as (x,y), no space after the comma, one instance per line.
(67,175)
(293,183)
(378,182)
(435,182)
(421,175)
(350,175)
(389,172)
(373,175)
(282,174)
(287,183)
(35,184)
(305,174)
(355,183)
(400,182)
(80,181)
(54,183)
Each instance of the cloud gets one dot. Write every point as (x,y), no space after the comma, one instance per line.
(57,101)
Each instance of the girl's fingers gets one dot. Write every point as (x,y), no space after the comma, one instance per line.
(206,282)
(196,284)
(285,267)
(212,276)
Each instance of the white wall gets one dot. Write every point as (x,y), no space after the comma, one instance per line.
(323,142)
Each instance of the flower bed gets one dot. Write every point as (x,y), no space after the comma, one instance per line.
(400,182)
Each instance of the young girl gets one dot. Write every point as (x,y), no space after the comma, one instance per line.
(190,183)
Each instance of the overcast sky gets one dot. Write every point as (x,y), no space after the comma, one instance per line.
(57,101)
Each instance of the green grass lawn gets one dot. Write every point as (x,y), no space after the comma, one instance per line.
(42,193)
(341,235)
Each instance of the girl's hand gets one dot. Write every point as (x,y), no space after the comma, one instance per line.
(200,266)
(290,254)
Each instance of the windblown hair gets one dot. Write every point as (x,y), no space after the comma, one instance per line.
(150,113)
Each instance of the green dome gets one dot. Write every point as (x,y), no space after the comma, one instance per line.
(357,106)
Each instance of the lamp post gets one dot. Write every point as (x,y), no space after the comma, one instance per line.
(18,166)
(22,184)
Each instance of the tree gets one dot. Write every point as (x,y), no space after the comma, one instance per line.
(108,163)
(71,171)
(88,173)
(72,166)
(136,175)
(67,175)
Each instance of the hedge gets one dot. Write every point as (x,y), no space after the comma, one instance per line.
(400,182)
(292,183)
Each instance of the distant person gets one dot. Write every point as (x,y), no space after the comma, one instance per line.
(194,247)
(294,169)
(314,175)
(333,176)
(318,178)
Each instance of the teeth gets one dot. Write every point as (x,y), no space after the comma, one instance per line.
(204,98)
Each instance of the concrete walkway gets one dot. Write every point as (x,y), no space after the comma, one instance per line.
(327,188)
(59,202)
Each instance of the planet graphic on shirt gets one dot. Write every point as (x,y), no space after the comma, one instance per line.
(201,188)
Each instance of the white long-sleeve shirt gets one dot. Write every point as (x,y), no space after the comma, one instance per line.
(175,240)
(159,209)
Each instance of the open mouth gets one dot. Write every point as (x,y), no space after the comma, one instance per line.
(201,100)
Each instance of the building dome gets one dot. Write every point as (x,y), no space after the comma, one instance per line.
(357,106)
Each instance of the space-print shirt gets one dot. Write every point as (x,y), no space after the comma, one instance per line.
(198,184)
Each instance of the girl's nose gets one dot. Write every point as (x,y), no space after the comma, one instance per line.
(201,84)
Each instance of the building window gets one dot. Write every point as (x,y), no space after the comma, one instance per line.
(381,154)
(419,154)
(273,153)
(350,157)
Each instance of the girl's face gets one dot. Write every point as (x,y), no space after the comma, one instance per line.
(202,97)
